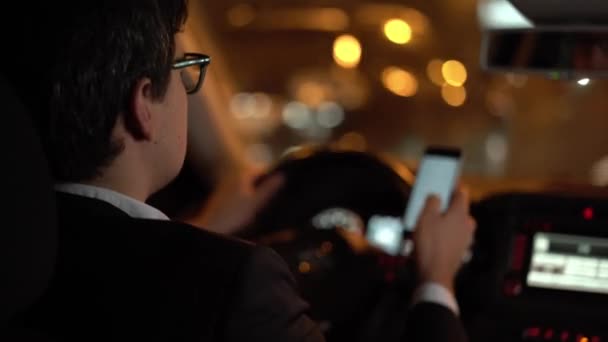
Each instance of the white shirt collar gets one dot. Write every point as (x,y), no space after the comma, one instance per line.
(131,206)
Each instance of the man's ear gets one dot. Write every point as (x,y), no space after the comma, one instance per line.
(139,120)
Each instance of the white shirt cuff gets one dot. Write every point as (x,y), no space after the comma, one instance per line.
(437,294)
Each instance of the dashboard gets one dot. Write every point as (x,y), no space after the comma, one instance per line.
(539,271)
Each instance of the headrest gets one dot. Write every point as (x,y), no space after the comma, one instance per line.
(28,236)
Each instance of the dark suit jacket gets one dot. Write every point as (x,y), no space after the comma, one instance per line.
(120,278)
(125,279)
(434,323)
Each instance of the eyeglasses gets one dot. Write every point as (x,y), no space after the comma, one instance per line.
(192,70)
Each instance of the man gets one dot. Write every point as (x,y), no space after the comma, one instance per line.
(108,86)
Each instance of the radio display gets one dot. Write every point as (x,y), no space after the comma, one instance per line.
(569,262)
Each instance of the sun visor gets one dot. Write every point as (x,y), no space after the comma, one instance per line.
(501,14)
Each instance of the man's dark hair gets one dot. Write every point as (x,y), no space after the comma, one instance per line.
(76,63)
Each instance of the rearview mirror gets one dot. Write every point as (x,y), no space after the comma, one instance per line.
(556,52)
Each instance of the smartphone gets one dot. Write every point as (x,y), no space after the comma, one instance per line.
(437,175)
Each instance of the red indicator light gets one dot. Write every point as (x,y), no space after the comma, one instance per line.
(565,336)
(519,252)
(588,214)
(532,332)
(549,334)
(512,288)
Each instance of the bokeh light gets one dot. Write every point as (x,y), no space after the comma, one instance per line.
(347,51)
(454,73)
(398,31)
(454,96)
(399,82)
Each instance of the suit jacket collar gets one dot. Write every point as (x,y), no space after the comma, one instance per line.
(131,206)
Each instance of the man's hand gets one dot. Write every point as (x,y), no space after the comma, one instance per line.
(442,239)
(235,203)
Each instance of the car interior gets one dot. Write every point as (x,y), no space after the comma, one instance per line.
(538,269)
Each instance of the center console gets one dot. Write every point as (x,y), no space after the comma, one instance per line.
(540,271)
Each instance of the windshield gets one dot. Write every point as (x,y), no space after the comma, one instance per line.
(395,78)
